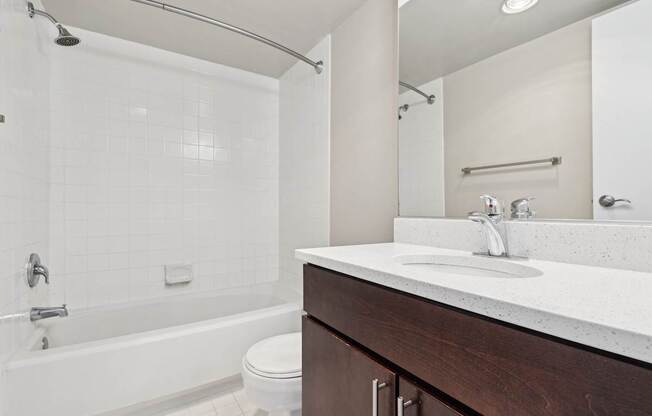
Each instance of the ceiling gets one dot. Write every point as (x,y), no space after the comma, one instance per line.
(297,24)
(440,37)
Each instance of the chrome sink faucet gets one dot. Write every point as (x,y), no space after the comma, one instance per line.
(36,314)
(491,220)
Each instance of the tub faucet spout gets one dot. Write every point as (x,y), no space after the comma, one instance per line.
(36,314)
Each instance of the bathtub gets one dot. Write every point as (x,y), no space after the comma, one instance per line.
(106,358)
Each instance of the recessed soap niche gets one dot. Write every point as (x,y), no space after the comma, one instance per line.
(178,274)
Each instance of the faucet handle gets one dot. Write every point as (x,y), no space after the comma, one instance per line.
(36,269)
(42,270)
(521,208)
(492,205)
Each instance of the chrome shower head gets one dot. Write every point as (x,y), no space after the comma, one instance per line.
(64,38)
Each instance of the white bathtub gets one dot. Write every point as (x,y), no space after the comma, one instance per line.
(106,358)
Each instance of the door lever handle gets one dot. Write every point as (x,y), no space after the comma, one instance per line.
(608,201)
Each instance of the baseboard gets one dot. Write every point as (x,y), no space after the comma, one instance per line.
(179,400)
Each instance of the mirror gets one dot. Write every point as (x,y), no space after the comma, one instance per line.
(550,103)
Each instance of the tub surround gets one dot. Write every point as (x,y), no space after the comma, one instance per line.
(24,170)
(603,308)
(304,162)
(158,159)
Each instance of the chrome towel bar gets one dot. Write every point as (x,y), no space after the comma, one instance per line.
(553,160)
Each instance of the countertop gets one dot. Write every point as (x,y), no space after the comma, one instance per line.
(608,309)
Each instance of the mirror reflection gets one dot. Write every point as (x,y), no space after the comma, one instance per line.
(541,104)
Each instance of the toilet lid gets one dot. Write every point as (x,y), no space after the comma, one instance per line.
(276,357)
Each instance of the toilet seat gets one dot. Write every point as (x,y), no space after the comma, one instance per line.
(277,357)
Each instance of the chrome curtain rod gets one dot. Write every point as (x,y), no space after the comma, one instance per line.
(429,98)
(187,13)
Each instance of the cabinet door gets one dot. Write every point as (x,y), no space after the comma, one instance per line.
(339,379)
(416,402)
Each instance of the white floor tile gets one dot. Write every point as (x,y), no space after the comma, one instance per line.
(222,405)
(224,401)
(256,413)
(245,404)
(231,410)
(202,409)
(182,412)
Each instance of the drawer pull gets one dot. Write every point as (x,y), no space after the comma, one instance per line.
(401,405)
(375,387)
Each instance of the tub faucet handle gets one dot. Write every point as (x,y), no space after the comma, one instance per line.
(36,269)
(42,271)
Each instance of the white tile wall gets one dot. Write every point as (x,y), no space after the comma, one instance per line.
(421,153)
(304,162)
(158,158)
(24,168)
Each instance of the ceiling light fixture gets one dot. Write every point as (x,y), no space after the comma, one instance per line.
(518,6)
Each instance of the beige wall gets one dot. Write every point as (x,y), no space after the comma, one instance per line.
(531,102)
(364,99)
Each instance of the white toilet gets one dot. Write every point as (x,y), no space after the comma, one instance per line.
(271,371)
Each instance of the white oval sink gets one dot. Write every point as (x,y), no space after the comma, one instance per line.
(468,265)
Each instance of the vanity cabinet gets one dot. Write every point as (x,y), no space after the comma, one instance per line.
(340,379)
(452,361)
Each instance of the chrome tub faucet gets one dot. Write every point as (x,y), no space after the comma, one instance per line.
(36,314)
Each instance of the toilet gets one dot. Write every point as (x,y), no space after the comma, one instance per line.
(271,372)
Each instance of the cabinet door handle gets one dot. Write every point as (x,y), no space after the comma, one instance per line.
(375,387)
(402,404)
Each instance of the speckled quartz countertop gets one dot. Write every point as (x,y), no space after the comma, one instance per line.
(608,309)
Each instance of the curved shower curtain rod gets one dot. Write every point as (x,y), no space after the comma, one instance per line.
(429,98)
(318,66)
(187,13)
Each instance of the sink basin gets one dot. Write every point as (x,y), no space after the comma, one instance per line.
(468,266)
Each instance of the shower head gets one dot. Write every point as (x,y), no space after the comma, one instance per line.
(64,38)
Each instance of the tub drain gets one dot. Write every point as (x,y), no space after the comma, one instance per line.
(45,343)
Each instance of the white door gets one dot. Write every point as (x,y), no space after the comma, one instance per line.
(622,112)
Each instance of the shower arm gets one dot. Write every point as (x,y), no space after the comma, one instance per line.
(187,13)
(429,98)
(36,12)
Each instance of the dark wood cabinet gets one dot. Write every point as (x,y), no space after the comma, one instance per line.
(339,379)
(475,363)
(417,401)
